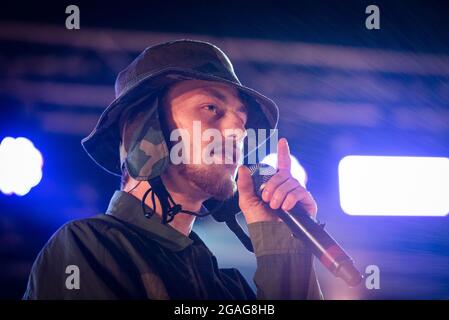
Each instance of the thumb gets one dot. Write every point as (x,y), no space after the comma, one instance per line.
(245,184)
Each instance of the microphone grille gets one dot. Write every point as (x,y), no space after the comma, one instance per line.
(261,173)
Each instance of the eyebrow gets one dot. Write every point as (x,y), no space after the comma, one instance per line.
(217,94)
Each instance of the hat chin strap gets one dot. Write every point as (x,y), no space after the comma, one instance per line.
(169,207)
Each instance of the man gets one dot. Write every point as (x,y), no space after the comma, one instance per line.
(143,247)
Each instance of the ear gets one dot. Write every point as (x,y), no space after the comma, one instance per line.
(125,175)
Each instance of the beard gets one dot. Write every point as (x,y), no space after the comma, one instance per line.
(214,180)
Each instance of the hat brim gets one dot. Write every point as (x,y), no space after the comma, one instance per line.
(107,132)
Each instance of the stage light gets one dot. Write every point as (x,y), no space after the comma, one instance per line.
(394,186)
(20,166)
(297,170)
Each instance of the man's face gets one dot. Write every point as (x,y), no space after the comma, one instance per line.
(197,106)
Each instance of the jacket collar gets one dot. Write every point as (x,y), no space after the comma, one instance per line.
(128,208)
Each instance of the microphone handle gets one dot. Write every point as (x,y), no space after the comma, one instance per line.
(322,245)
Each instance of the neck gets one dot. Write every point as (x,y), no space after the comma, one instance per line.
(182,193)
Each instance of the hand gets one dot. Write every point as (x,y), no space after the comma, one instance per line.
(281,191)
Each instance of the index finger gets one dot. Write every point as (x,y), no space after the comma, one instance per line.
(284,161)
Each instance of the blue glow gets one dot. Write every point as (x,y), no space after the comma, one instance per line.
(20,166)
(296,170)
(394,186)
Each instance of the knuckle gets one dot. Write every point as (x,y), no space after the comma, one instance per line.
(299,185)
(294,183)
(283,174)
(273,205)
(299,193)
(266,189)
(275,181)
(270,184)
(277,196)
(291,199)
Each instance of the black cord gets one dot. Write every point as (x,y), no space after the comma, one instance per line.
(170,209)
(148,214)
(168,206)
(133,188)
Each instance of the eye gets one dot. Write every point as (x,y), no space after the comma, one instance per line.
(212,108)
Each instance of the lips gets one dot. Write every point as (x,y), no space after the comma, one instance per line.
(225,157)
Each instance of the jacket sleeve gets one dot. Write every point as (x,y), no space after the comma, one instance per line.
(284,264)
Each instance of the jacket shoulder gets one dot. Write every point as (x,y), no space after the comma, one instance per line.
(81,243)
(83,227)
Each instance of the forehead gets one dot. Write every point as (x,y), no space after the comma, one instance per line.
(190,88)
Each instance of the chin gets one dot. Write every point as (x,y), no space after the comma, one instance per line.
(218,181)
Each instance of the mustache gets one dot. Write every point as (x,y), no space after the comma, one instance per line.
(230,155)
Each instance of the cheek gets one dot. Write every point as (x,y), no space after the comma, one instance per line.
(191,118)
(194,125)
(194,135)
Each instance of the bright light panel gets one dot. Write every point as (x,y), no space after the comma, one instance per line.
(394,186)
(296,170)
(20,166)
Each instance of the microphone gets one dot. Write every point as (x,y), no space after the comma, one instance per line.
(322,245)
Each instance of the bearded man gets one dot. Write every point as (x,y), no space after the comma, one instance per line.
(143,247)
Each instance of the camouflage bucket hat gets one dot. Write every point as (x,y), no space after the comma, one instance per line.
(139,86)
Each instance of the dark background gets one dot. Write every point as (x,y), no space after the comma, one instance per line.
(341,89)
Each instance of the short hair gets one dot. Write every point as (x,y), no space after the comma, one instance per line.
(124,178)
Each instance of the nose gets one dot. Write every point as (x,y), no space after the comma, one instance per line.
(233,127)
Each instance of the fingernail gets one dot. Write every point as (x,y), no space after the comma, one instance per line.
(265,195)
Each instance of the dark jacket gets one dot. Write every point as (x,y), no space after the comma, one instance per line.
(123,255)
